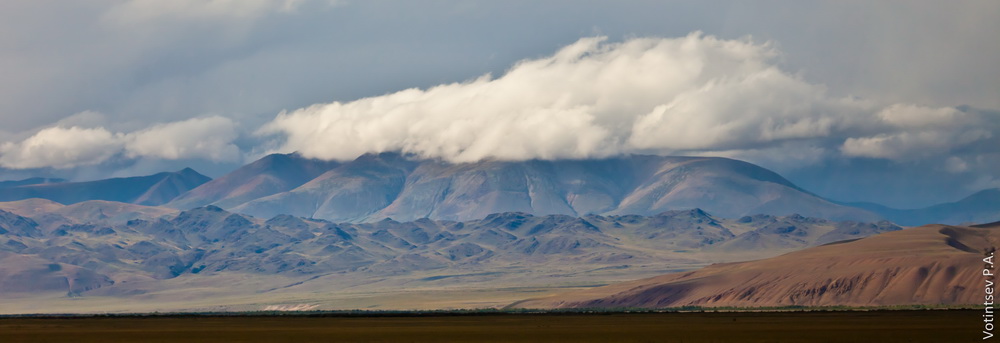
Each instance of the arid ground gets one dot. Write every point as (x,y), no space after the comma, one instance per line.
(872,326)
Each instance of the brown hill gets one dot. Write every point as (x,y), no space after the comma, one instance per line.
(934,264)
(30,207)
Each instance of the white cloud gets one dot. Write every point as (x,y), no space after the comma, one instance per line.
(208,138)
(762,108)
(694,95)
(691,95)
(914,116)
(913,132)
(61,147)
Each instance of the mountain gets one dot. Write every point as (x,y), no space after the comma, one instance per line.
(144,190)
(983,206)
(934,264)
(100,211)
(31,181)
(389,185)
(125,250)
(31,207)
(353,191)
(272,174)
(26,274)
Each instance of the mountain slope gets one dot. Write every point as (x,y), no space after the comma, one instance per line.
(934,264)
(349,192)
(272,174)
(388,185)
(983,206)
(30,207)
(31,181)
(152,190)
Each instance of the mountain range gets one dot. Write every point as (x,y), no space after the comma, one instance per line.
(153,190)
(980,207)
(123,251)
(288,228)
(390,185)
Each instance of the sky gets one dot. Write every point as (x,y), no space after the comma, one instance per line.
(893,102)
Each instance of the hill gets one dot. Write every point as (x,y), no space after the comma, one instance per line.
(934,264)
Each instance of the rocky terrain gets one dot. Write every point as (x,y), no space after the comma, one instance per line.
(121,250)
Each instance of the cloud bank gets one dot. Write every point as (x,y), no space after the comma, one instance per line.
(208,138)
(696,95)
(692,95)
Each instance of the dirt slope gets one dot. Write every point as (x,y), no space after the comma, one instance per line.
(934,264)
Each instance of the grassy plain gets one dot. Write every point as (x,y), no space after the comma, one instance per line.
(837,326)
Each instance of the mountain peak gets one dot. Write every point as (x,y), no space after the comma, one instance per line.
(693,213)
(151,190)
(211,208)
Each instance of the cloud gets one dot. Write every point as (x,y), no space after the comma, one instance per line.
(61,148)
(208,138)
(914,132)
(697,95)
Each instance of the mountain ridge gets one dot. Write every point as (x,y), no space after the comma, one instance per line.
(404,187)
(153,189)
(980,206)
(390,185)
(269,175)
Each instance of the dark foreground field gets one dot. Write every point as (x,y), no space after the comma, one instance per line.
(878,326)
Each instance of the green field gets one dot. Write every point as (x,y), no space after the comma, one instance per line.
(839,326)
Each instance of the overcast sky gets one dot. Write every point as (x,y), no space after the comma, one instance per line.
(893,102)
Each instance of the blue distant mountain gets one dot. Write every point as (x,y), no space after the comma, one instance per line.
(269,175)
(980,207)
(31,181)
(153,190)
